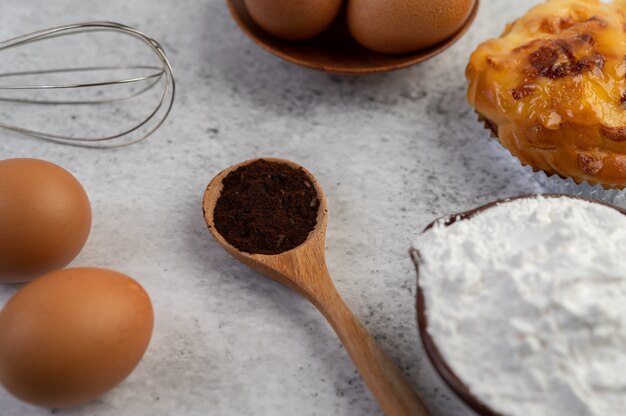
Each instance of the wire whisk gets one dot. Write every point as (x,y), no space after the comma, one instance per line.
(98,85)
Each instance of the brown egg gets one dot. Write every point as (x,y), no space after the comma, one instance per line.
(45,218)
(291,19)
(400,26)
(72,335)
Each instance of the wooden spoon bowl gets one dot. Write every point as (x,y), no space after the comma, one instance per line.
(335,50)
(304,270)
(441,366)
(268,265)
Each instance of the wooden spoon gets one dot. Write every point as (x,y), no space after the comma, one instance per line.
(335,50)
(304,270)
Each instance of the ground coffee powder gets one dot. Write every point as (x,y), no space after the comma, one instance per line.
(266,208)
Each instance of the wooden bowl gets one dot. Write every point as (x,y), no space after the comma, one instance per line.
(441,366)
(335,50)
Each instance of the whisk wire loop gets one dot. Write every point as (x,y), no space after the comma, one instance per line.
(155,75)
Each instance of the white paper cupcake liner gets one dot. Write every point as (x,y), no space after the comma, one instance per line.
(556,184)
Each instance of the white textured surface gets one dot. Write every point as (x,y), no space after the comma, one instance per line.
(531,324)
(393,151)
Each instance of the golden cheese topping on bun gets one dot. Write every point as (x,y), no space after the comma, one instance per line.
(553,88)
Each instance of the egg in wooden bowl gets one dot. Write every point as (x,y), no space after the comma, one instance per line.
(346,48)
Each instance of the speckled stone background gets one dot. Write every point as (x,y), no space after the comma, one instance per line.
(393,152)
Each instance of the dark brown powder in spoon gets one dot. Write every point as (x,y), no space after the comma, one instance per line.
(266,208)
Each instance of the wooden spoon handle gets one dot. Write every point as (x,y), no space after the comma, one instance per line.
(390,387)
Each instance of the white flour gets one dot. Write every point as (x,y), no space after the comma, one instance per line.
(527,304)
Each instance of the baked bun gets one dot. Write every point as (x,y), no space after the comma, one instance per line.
(553,89)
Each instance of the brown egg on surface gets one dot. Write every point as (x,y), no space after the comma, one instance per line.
(72,335)
(45,218)
(293,20)
(401,26)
